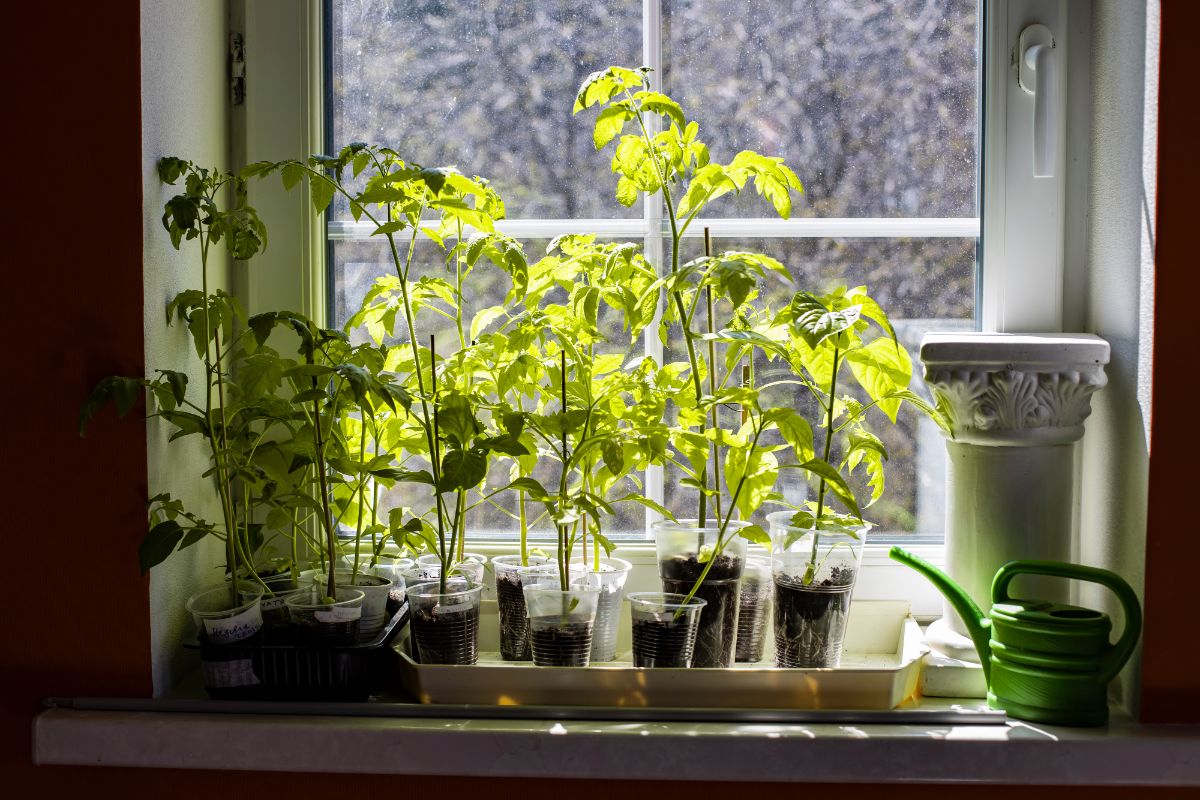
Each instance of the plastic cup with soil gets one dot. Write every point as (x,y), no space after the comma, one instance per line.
(319,621)
(274,591)
(814,574)
(376,591)
(684,552)
(610,580)
(445,624)
(430,568)
(510,599)
(754,606)
(393,569)
(221,619)
(561,623)
(664,628)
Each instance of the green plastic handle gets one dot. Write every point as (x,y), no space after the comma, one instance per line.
(1116,655)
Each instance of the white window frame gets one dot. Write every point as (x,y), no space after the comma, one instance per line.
(1021,227)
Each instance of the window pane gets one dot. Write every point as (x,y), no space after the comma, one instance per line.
(486,85)
(874,104)
(924,285)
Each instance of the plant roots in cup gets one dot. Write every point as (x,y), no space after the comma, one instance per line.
(562,643)
(718,620)
(514,624)
(810,620)
(446,638)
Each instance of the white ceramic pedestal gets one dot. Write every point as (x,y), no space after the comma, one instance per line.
(1017,403)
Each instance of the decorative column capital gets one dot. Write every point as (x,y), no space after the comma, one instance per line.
(1015,389)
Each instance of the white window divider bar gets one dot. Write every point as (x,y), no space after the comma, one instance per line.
(725,227)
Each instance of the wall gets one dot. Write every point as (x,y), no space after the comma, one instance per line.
(185,113)
(1117,295)
(75,618)
(1170,687)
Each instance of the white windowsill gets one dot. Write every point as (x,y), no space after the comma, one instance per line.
(1124,753)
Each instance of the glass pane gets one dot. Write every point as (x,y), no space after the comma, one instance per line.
(486,85)
(874,104)
(924,285)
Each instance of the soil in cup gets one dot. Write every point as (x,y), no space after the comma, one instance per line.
(754,598)
(514,624)
(718,619)
(446,638)
(810,620)
(308,630)
(556,643)
(663,642)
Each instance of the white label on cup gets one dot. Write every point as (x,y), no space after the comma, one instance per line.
(227,630)
(229,674)
(338,614)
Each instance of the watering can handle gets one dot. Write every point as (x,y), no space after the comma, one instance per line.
(1116,655)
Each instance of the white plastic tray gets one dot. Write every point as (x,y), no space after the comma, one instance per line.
(880,670)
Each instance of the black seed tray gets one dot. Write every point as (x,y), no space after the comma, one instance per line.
(275,668)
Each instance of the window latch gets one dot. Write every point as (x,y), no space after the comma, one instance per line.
(1037,74)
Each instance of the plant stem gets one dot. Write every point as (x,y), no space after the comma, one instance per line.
(326,516)
(563,566)
(812,560)
(435,460)
(677,295)
(712,385)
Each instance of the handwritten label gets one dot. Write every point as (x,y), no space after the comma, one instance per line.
(227,630)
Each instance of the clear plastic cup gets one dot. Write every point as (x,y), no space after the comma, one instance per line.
(610,579)
(321,624)
(664,628)
(514,621)
(814,573)
(754,603)
(685,551)
(429,568)
(561,623)
(221,619)
(376,591)
(445,624)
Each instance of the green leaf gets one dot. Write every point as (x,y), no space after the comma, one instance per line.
(456,419)
(627,191)
(614,456)
(833,480)
(881,368)
(462,469)
(609,123)
(159,543)
(756,470)
(484,318)
(658,103)
(795,430)
(755,535)
(291,174)
(602,85)
(322,190)
(815,323)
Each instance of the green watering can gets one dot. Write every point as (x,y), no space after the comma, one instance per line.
(1043,662)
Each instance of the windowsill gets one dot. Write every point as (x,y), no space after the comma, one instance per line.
(130,733)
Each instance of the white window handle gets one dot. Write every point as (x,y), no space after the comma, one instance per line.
(1037,74)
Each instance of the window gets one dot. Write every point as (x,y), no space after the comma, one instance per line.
(875,105)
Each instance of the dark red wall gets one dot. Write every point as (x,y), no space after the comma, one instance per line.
(1171,647)
(76,618)
(79,623)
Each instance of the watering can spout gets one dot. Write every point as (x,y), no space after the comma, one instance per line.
(977,624)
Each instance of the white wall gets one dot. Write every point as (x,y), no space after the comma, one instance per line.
(1118,292)
(184,113)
